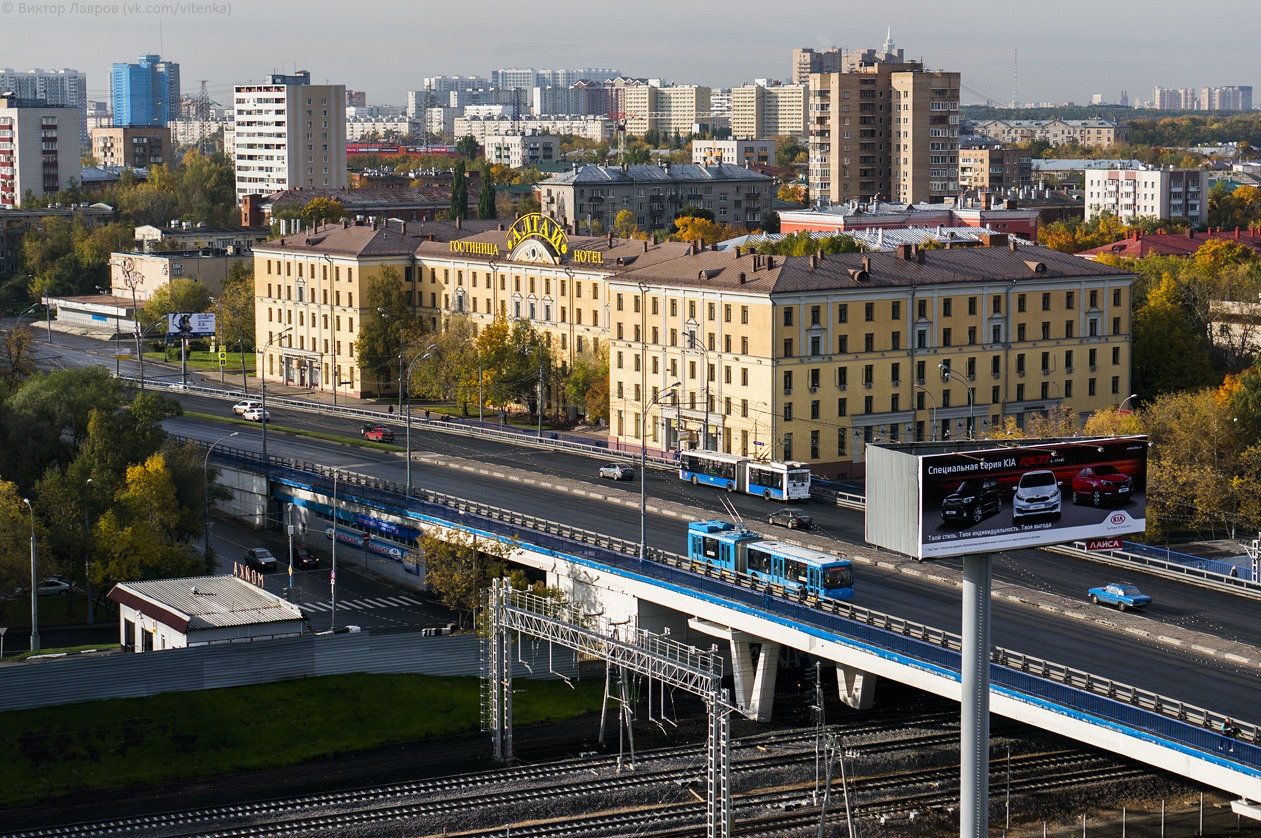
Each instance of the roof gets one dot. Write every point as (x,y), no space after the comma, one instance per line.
(770,275)
(618,255)
(369,197)
(886,238)
(366,240)
(204,602)
(1171,244)
(593,175)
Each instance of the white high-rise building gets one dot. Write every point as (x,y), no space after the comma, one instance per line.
(289,134)
(39,148)
(1161,193)
(56,87)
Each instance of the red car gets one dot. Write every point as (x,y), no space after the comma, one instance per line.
(377,433)
(1099,484)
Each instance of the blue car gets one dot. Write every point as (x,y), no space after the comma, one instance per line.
(1121,594)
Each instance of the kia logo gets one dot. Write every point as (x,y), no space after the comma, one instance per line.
(1118,518)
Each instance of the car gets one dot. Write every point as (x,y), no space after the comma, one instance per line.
(792,518)
(242,406)
(55,586)
(1121,594)
(617,471)
(1037,493)
(304,558)
(260,558)
(256,414)
(1098,484)
(973,500)
(377,433)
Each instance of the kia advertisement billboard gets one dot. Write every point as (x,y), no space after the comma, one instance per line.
(1027,496)
(199,325)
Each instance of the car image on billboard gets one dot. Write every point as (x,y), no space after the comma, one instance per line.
(1027,496)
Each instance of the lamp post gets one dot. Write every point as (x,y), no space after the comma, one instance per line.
(262,385)
(205,509)
(140,336)
(402,339)
(643,465)
(87,550)
(408,433)
(289,528)
(933,415)
(337,384)
(947,373)
(693,344)
(1126,399)
(34,592)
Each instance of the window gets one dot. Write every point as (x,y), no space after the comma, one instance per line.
(945,337)
(1094,299)
(896,311)
(842,377)
(1020,331)
(869,312)
(946,307)
(1020,302)
(1116,296)
(998,304)
(1068,328)
(1116,384)
(788,381)
(842,313)
(1046,301)
(1116,325)
(814,408)
(842,407)
(842,344)
(971,305)
(1090,387)
(1068,299)
(921,338)
(815,314)
(971,335)
(788,411)
(1116,355)
(1046,330)
(788,347)
(869,375)
(869,342)
(788,316)
(921,308)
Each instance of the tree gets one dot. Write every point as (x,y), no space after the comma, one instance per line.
(792,193)
(178,295)
(588,385)
(1169,354)
(15,539)
(386,327)
(467,147)
(319,211)
(625,226)
(689,229)
(486,200)
(234,308)
(459,193)
(460,566)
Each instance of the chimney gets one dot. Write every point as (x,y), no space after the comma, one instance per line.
(610,239)
(1011,243)
(743,278)
(904,252)
(1236,233)
(737,251)
(403,228)
(374,222)
(459,223)
(919,253)
(770,263)
(501,228)
(867,264)
(814,261)
(645,245)
(345,223)
(1190,233)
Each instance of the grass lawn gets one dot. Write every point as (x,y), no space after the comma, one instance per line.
(53,751)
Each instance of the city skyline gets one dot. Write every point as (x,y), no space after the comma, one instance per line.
(978,38)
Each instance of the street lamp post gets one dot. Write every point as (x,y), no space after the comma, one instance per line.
(1126,399)
(693,344)
(289,528)
(408,433)
(205,509)
(933,415)
(34,592)
(643,466)
(947,373)
(402,349)
(262,385)
(87,549)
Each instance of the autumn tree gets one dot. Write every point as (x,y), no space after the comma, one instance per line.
(387,327)
(1169,354)
(692,228)
(588,385)
(625,225)
(460,566)
(319,211)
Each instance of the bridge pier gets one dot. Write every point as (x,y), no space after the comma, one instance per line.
(754,681)
(857,688)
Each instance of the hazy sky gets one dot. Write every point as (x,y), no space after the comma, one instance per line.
(1068,49)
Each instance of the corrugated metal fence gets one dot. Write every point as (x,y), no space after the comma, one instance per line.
(78,678)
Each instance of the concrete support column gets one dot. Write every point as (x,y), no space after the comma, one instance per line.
(974,743)
(856,687)
(754,683)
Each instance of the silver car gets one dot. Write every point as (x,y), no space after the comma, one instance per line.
(617,471)
(1037,493)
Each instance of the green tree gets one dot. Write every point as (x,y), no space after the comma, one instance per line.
(459,193)
(467,147)
(178,295)
(319,211)
(1169,353)
(234,309)
(15,539)
(788,152)
(486,200)
(625,226)
(459,567)
(588,385)
(387,325)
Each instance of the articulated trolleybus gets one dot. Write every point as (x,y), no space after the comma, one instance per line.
(735,473)
(719,545)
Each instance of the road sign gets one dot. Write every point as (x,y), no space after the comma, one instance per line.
(1103,544)
(223,358)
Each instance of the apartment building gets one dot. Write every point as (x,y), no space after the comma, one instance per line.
(39,148)
(1159,193)
(669,110)
(520,150)
(769,110)
(56,87)
(738,152)
(145,93)
(737,196)
(1092,133)
(289,133)
(136,146)
(596,128)
(884,130)
(1228,98)
(994,167)
(14,224)
(807,62)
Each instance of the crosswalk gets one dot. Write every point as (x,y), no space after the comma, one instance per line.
(360,604)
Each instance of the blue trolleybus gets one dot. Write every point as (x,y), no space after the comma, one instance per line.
(736,473)
(719,545)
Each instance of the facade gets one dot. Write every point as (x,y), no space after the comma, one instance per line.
(994,167)
(760,110)
(596,128)
(39,148)
(136,276)
(520,150)
(15,222)
(981,212)
(884,130)
(807,62)
(233,240)
(736,152)
(145,93)
(669,110)
(56,87)
(359,127)
(408,203)
(289,133)
(1160,193)
(1229,98)
(737,196)
(135,146)
(1092,133)
(178,613)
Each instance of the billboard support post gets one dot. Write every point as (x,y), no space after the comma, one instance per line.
(974,728)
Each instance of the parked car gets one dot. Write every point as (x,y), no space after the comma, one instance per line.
(55,586)
(1037,493)
(242,406)
(792,518)
(304,558)
(256,414)
(972,501)
(1101,483)
(260,558)
(1121,594)
(377,433)
(617,471)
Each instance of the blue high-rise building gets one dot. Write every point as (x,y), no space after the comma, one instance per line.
(147,93)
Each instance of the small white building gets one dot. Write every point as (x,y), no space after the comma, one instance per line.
(1163,193)
(178,613)
(516,151)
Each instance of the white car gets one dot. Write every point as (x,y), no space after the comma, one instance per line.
(255,414)
(240,407)
(1037,493)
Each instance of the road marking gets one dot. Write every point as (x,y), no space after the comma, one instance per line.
(382,603)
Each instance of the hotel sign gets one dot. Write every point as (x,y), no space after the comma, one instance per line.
(535,225)
(532,238)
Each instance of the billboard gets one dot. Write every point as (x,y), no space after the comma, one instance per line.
(200,325)
(986,499)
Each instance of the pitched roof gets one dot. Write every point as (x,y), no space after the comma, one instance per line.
(593,175)
(204,602)
(1171,244)
(366,240)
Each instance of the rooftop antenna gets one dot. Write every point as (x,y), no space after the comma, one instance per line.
(1015,77)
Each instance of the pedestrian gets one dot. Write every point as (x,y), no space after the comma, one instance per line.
(426,413)
(391,410)
(1234,571)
